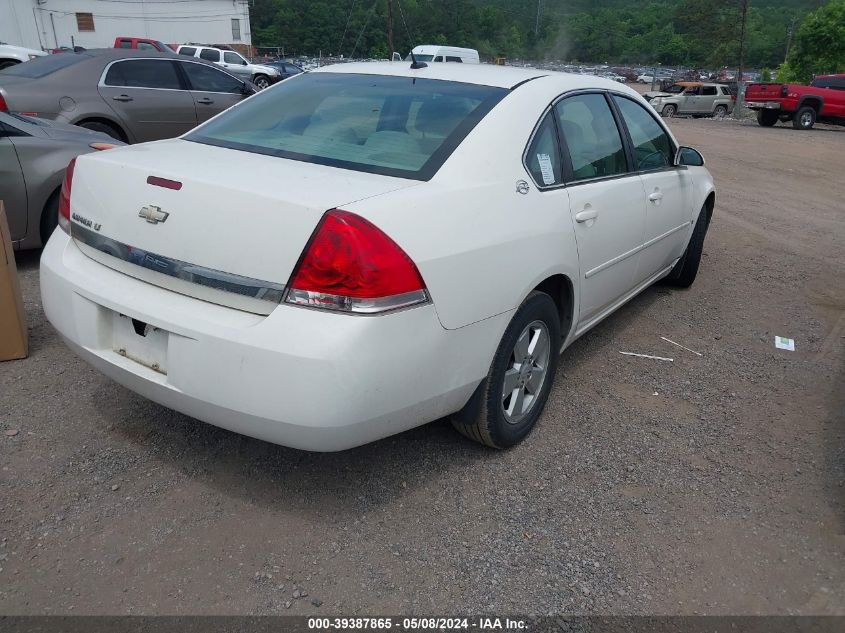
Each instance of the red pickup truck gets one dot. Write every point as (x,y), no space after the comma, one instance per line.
(142,43)
(823,101)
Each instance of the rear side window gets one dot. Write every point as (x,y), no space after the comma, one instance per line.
(207,79)
(543,157)
(591,137)
(125,44)
(837,83)
(143,73)
(146,46)
(395,126)
(190,51)
(652,147)
(210,54)
(43,66)
(708,91)
(454,59)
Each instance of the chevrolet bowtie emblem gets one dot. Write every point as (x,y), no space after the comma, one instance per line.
(153,214)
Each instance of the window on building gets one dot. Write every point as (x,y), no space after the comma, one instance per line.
(84,22)
(236,29)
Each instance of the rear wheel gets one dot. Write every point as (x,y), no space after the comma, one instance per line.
(804,119)
(669,111)
(685,271)
(767,118)
(102,126)
(507,404)
(262,81)
(720,111)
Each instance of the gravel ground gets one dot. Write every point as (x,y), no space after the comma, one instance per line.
(713,484)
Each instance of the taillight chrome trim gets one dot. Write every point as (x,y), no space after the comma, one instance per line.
(253,295)
(354,305)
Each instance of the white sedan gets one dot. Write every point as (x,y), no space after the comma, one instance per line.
(363,249)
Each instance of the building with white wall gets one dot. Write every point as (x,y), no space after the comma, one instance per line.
(48,24)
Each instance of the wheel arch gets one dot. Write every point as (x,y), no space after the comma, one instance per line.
(560,288)
(44,209)
(710,204)
(812,101)
(124,136)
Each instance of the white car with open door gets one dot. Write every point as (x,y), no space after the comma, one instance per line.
(366,248)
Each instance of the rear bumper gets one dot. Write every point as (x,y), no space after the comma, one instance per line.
(302,378)
(762,105)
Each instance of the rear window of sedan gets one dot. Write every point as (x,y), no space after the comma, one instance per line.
(396,126)
(43,66)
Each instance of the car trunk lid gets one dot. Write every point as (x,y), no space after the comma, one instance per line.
(222,225)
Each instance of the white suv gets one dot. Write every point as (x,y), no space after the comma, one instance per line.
(261,76)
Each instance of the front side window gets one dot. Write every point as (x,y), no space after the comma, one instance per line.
(125,44)
(233,58)
(207,79)
(190,51)
(395,126)
(591,137)
(543,157)
(210,54)
(143,73)
(652,146)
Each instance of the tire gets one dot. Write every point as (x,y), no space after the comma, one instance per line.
(262,81)
(804,119)
(5,63)
(485,418)
(685,271)
(767,118)
(105,128)
(50,217)
(669,111)
(720,112)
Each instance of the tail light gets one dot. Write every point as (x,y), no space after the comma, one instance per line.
(350,265)
(3,106)
(64,197)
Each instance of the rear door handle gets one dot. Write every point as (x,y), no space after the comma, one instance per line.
(657,196)
(122,98)
(586,215)
(205,101)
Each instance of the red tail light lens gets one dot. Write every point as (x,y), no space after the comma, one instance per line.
(64,197)
(350,265)
(3,106)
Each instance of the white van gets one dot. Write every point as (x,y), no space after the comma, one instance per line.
(434,53)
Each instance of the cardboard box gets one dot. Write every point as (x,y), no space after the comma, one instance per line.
(13,334)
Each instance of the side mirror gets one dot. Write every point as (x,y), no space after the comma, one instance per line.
(247,90)
(689,157)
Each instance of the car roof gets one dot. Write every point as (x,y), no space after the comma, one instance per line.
(508,77)
(119,53)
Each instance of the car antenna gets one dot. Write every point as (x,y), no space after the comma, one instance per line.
(416,65)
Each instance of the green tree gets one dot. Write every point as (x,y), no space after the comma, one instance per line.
(819,44)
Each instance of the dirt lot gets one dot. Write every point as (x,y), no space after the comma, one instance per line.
(713,484)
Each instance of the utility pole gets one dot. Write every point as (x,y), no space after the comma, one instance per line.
(789,33)
(539,15)
(390,30)
(740,84)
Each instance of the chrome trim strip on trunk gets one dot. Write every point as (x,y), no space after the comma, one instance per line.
(208,284)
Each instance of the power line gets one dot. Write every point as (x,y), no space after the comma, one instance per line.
(366,24)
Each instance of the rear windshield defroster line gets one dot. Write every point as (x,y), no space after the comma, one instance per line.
(394,126)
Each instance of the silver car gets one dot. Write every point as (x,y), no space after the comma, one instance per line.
(33,156)
(696,100)
(261,75)
(133,96)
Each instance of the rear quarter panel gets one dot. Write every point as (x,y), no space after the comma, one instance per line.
(480,246)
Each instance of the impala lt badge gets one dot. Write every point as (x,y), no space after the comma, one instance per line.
(153,214)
